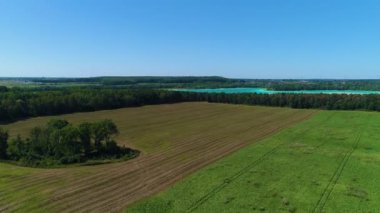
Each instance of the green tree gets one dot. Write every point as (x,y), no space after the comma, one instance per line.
(16,148)
(3,143)
(3,89)
(68,145)
(84,130)
(102,132)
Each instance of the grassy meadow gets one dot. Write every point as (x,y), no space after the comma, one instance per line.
(330,163)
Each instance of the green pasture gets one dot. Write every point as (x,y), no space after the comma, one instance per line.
(330,163)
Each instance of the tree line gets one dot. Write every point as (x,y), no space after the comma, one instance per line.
(216,81)
(60,142)
(198,82)
(23,103)
(316,101)
(323,85)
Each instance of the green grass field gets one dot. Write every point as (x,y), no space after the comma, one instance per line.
(330,163)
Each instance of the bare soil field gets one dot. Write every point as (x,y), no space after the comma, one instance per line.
(175,140)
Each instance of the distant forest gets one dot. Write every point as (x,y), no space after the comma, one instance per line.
(207,82)
(305,101)
(22,103)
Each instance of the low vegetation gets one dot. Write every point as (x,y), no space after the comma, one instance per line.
(330,163)
(60,142)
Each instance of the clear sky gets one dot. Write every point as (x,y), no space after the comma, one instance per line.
(235,38)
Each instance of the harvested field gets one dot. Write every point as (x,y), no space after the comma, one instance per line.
(176,140)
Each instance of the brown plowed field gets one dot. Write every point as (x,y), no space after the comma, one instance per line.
(176,140)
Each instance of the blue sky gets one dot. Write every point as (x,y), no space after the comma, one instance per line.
(235,38)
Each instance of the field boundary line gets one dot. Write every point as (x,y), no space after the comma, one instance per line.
(335,177)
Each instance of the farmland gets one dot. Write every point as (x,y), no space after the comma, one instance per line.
(175,140)
(329,163)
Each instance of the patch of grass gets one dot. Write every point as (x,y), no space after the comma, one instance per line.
(329,163)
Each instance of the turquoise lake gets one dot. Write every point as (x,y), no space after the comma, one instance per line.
(265,91)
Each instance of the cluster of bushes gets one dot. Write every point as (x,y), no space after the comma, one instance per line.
(60,142)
